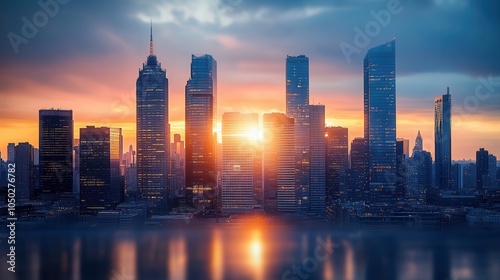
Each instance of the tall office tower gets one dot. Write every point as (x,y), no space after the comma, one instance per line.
(380,119)
(357,178)
(177,168)
(11,152)
(492,164)
(457,176)
(337,161)
(76,166)
(419,143)
(238,144)
(470,176)
(153,135)
(279,163)
(422,161)
(442,140)
(297,107)
(317,196)
(401,170)
(405,147)
(56,152)
(482,168)
(25,168)
(100,179)
(201,142)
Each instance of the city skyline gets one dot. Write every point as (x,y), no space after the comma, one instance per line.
(248,83)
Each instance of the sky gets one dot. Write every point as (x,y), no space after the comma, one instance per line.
(85,56)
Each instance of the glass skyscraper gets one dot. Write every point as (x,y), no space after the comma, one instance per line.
(101,185)
(297,107)
(238,145)
(317,160)
(201,110)
(442,140)
(56,152)
(153,135)
(278,158)
(380,119)
(337,160)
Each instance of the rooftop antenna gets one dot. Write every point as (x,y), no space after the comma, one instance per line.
(151,39)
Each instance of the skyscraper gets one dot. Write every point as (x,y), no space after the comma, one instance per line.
(405,147)
(421,163)
(317,188)
(201,113)
(442,140)
(153,134)
(25,171)
(380,118)
(297,107)
(11,152)
(401,176)
(279,163)
(177,168)
(419,144)
(357,177)
(337,161)
(56,152)
(100,180)
(482,168)
(238,142)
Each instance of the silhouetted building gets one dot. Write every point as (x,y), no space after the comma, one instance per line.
(419,143)
(177,167)
(442,140)
(238,144)
(11,152)
(25,171)
(422,161)
(401,179)
(457,176)
(56,152)
(317,195)
(337,161)
(406,147)
(357,178)
(279,163)
(153,135)
(100,180)
(482,168)
(470,178)
(201,117)
(492,165)
(380,120)
(297,107)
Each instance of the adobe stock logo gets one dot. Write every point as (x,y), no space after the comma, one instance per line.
(49,9)
(372,29)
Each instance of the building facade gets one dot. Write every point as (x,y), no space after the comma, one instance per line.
(442,140)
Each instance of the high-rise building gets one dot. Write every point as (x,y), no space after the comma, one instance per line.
(297,107)
(337,161)
(492,164)
(442,140)
(482,168)
(177,168)
(76,166)
(238,143)
(25,171)
(317,195)
(380,119)
(153,135)
(422,162)
(201,113)
(101,184)
(56,152)
(356,188)
(11,152)
(406,146)
(419,143)
(278,158)
(401,170)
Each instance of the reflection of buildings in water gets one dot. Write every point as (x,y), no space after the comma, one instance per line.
(124,264)
(177,258)
(217,260)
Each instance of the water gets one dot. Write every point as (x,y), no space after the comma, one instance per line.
(253,252)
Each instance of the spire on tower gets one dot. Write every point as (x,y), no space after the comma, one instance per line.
(151,39)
